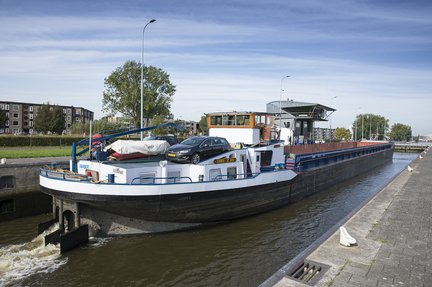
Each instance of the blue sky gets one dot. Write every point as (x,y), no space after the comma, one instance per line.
(360,56)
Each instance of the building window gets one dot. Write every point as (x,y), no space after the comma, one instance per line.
(7,123)
(2,106)
(68,118)
(6,107)
(14,123)
(15,107)
(31,116)
(15,115)
(31,123)
(69,111)
(31,108)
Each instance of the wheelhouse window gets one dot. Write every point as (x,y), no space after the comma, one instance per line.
(215,120)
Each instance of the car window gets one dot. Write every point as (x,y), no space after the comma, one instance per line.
(207,142)
(192,141)
(224,141)
(216,141)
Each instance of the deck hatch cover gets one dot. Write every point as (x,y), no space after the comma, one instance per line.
(308,272)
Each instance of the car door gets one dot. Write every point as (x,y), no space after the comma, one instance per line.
(217,146)
(206,148)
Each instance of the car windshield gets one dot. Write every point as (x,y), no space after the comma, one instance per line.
(193,141)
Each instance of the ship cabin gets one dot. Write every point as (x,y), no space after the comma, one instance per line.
(248,128)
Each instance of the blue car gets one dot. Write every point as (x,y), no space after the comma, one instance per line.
(195,149)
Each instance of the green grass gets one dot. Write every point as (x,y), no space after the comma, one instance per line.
(27,152)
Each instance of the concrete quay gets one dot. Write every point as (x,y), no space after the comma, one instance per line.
(394,239)
(19,187)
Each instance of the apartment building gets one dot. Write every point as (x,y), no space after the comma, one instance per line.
(20,116)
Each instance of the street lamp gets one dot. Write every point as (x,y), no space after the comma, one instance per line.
(331,133)
(355,134)
(142,77)
(280,103)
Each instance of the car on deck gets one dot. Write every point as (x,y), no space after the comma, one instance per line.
(195,149)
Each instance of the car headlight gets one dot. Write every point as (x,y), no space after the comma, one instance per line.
(184,151)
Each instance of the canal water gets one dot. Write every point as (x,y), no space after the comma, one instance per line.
(239,253)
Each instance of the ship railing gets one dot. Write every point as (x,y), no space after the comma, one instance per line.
(63,174)
(152,180)
(234,176)
(313,160)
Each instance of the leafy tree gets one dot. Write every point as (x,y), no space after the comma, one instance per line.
(49,119)
(3,119)
(203,124)
(57,122)
(369,126)
(123,94)
(400,132)
(157,120)
(41,122)
(104,125)
(342,134)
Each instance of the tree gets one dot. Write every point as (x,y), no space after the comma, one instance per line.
(3,119)
(123,94)
(342,134)
(49,119)
(104,126)
(41,122)
(57,122)
(369,126)
(400,132)
(203,124)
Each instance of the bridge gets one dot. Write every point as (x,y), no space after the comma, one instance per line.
(411,147)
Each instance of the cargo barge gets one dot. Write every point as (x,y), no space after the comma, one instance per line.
(101,197)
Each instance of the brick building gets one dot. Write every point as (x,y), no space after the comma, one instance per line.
(20,116)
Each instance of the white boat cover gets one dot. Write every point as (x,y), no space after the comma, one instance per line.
(147,147)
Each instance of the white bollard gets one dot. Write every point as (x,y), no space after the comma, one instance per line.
(345,238)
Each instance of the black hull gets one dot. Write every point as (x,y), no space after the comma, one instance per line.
(197,207)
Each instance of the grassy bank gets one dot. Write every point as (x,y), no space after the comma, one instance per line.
(28,152)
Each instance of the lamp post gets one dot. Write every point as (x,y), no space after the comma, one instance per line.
(142,77)
(280,103)
(356,126)
(331,133)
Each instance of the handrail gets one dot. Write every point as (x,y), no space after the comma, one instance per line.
(245,175)
(160,178)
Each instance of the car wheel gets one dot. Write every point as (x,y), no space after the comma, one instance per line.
(195,158)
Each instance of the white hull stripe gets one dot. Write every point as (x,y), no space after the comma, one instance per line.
(162,189)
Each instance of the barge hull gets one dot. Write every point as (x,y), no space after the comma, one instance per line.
(321,178)
(121,214)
